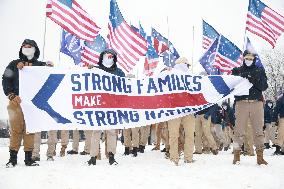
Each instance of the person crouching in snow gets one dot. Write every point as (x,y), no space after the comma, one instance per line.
(107,62)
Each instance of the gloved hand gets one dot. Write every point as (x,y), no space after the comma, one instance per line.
(20,65)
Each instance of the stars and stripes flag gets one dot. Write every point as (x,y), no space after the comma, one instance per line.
(160,45)
(209,35)
(151,59)
(228,55)
(92,50)
(264,22)
(170,55)
(71,17)
(128,44)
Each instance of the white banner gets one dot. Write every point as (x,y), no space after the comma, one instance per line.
(78,98)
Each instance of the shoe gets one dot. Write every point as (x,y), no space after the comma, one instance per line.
(84,153)
(111,159)
(214,152)
(277,151)
(62,151)
(28,159)
(226,148)
(72,152)
(167,155)
(237,157)
(134,151)
(50,158)
(92,161)
(141,148)
(260,160)
(221,147)
(126,151)
(36,158)
(267,146)
(164,150)
(13,159)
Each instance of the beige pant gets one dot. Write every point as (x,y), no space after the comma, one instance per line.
(269,133)
(218,133)
(37,143)
(131,137)
(228,136)
(144,134)
(173,127)
(51,142)
(162,133)
(280,137)
(252,111)
(18,129)
(248,142)
(202,125)
(95,142)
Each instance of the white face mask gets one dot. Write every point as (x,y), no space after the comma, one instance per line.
(248,62)
(269,105)
(108,60)
(28,52)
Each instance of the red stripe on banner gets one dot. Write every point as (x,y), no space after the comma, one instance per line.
(105,100)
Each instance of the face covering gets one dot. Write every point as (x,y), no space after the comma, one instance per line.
(108,60)
(248,62)
(28,52)
(269,105)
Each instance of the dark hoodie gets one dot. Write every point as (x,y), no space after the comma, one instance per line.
(228,115)
(113,69)
(279,108)
(10,78)
(256,76)
(268,112)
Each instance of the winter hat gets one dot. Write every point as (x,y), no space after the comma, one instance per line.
(182,60)
(247,53)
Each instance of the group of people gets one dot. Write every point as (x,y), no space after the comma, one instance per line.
(250,121)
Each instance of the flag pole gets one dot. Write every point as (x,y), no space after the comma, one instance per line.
(169,40)
(44,36)
(192,54)
(245,36)
(60,41)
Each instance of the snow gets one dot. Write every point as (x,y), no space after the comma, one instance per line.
(148,170)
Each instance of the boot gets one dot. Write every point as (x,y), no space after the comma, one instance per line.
(111,159)
(92,161)
(13,159)
(226,148)
(134,151)
(62,151)
(267,146)
(141,148)
(72,152)
(260,159)
(277,151)
(164,150)
(84,153)
(237,157)
(28,159)
(126,151)
(214,152)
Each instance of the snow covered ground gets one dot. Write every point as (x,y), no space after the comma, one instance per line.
(148,170)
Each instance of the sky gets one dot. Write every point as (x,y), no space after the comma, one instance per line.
(174,19)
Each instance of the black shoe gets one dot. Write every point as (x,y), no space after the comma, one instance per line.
(111,159)
(134,151)
(221,147)
(126,151)
(226,148)
(141,149)
(36,158)
(277,151)
(84,153)
(273,145)
(164,150)
(28,159)
(92,161)
(267,146)
(72,152)
(13,159)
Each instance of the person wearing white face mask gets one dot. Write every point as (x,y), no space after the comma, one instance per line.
(28,55)
(250,107)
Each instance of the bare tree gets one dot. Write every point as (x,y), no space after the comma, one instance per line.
(273,61)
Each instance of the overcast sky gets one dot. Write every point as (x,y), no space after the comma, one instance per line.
(26,19)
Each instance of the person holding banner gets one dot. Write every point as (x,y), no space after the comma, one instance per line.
(107,62)
(28,56)
(250,107)
(187,122)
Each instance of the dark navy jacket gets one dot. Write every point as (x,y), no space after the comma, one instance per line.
(279,108)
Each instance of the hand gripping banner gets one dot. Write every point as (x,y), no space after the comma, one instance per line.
(60,99)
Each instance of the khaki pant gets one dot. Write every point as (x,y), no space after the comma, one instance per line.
(144,134)
(269,133)
(218,133)
(18,129)
(37,143)
(248,142)
(280,137)
(51,143)
(162,132)
(64,137)
(246,111)
(131,137)
(228,136)
(202,125)
(111,136)
(88,138)
(174,132)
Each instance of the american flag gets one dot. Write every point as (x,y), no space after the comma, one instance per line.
(208,58)
(160,45)
(128,44)
(151,59)
(228,55)
(92,50)
(264,22)
(209,35)
(71,17)
(170,55)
